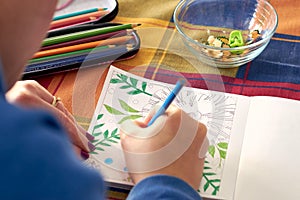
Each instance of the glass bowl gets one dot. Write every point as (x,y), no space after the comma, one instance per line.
(206,25)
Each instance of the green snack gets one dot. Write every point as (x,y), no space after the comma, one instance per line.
(236,40)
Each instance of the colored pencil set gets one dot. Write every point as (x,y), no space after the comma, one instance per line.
(90,46)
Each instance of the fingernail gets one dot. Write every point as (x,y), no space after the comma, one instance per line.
(91,146)
(84,155)
(89,136)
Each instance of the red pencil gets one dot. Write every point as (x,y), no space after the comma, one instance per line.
(77,19)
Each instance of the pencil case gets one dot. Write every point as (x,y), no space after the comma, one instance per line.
(128,44)
(111,6)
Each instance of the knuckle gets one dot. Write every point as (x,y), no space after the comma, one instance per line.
(30,85)
(22,97)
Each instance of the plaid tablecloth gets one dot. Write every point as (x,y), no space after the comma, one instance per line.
(276,72)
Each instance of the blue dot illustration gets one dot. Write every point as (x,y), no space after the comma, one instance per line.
(108,161)
(125,169)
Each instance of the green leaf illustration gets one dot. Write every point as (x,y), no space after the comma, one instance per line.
(103,144)
(105,134)
(114,132)
(112,141)
(125,87)
(108,139)
(126,107)
(144,85)
(114,80)
(95,128)
(205,187)
(134,92)
(209,174)
(95,134)
(122,77)
(131,84)
(112,110)
(99,116)
(99,148)
(133,81)
(211,181)
(216,190)
(223,145)
(222,153)
(132,117)
(212,150)
(117,137)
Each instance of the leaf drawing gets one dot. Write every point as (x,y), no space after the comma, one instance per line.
(107,141)
(209,176)
(131,83)
(130,113)
(112,110)
(126,107)
(95,131)
(211,181)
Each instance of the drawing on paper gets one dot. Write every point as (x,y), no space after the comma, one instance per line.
(127,97)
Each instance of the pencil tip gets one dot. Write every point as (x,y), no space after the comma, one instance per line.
(135,25)
(181,81)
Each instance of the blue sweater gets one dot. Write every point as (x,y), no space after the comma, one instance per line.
(38,163)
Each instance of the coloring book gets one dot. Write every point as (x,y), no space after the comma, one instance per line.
(253,140)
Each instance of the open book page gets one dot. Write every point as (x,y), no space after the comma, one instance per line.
(78,5)
(128,97)
(270,164)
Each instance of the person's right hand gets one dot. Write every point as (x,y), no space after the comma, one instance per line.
(175,145)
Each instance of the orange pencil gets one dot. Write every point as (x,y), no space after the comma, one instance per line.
(50,52)
(77,19)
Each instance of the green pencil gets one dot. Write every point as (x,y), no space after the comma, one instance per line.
(73,53)
(85,34)
(78,13)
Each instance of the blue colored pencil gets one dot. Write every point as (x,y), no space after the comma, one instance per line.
(180,83)
(77,13)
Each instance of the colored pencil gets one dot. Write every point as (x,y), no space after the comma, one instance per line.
(85,34)
(77,19)
(81,12)
(88,39)
(103,55)
(117,40)
(69,54)
(180,83)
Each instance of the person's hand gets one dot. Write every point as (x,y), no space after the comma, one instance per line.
(30,94)
(175,145)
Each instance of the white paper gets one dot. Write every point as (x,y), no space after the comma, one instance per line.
(215,109)
(270,163)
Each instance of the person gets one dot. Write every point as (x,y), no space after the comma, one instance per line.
(42,146)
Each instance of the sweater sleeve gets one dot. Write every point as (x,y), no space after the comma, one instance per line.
(38,163)
(163,187)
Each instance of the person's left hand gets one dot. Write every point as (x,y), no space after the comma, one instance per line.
(30,94)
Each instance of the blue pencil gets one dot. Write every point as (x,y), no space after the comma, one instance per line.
(101,54)
(78,13)
(180,83)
